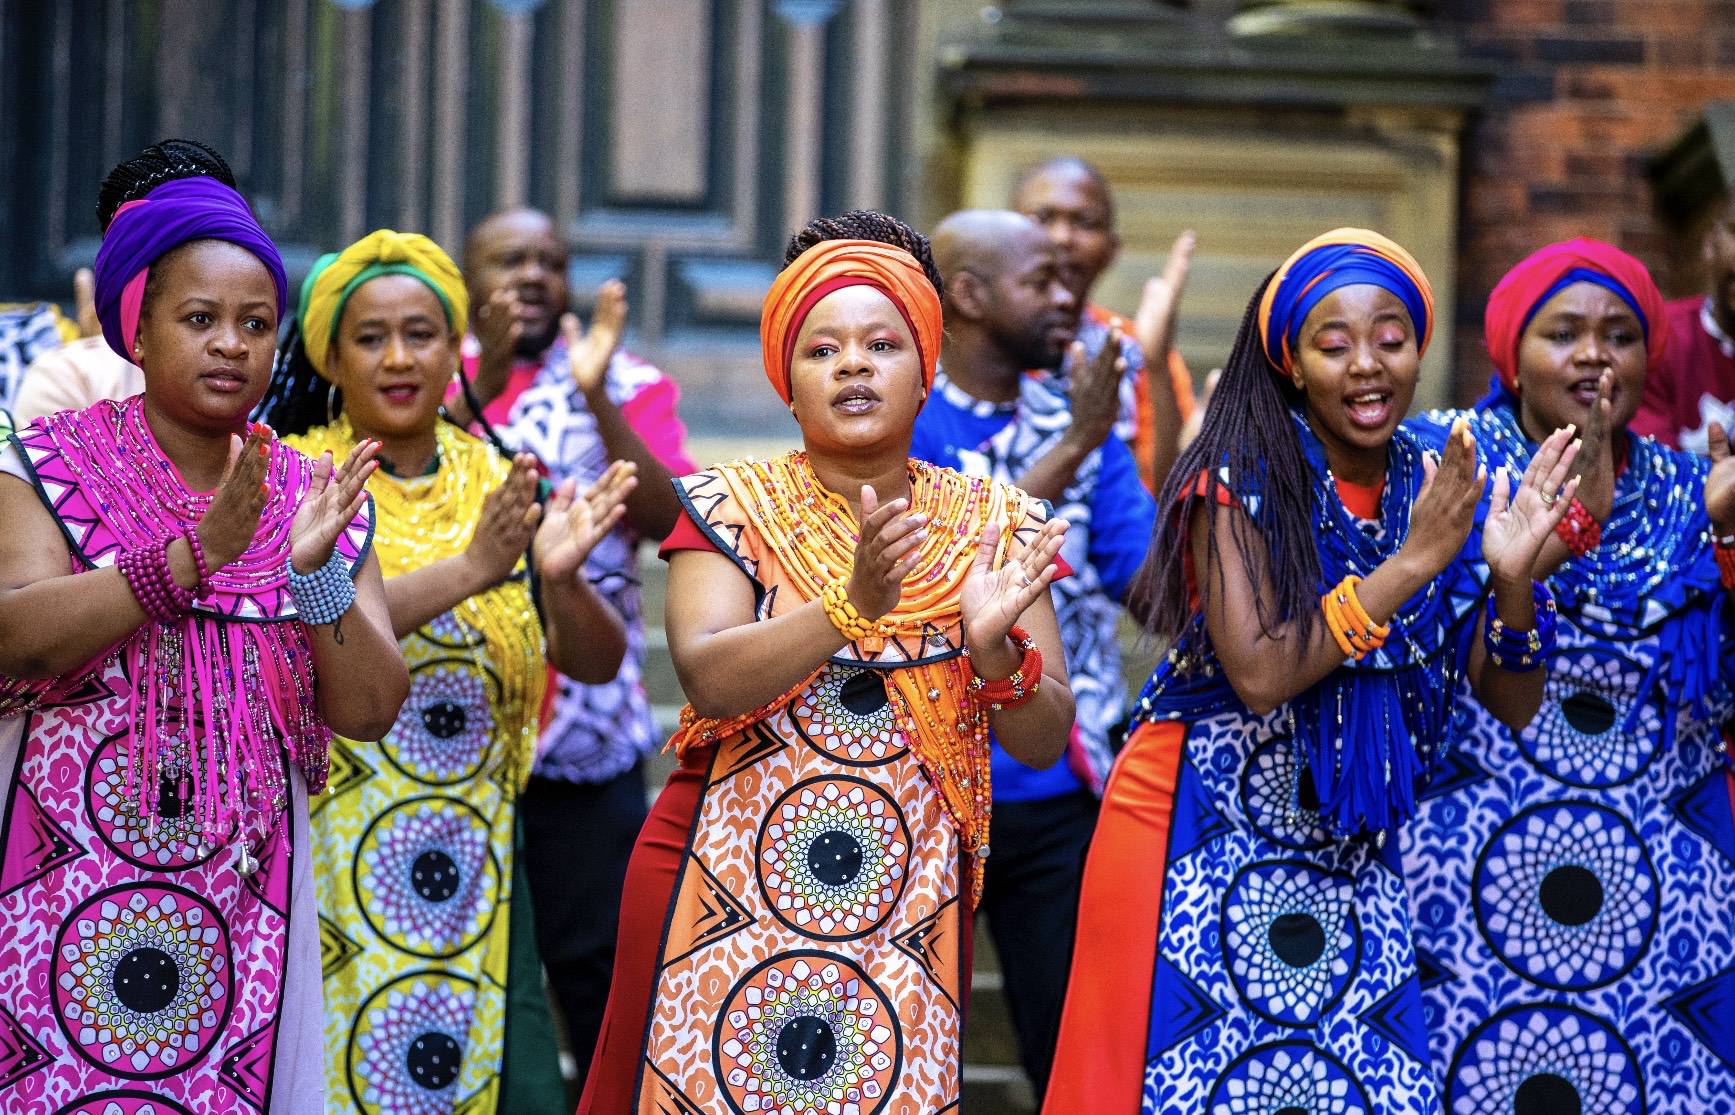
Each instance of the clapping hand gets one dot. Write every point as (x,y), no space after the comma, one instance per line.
(1720,482)
(573,524)
(1516,529)
(886,551)
(1096,391)
(1445,511)
(588,351)
(993,599)
(332,500)
(509,517)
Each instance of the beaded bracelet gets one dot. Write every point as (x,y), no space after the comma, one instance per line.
(191,534)
(850,623)
(1724,552)
(1356,632)
(1579,529)
(1009,692)
(146,569)
(1522,651)
(324,595)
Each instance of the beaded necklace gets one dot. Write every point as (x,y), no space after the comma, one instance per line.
(813,534)
(424,519)
(203,753)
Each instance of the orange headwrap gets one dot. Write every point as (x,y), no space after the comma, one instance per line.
(835,264)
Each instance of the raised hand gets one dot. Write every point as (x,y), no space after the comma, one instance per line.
(588,351)
(332,500)
(84,302)
(1160,302)
(574,524)
(1444,512)
(1096,392)
(1196,421)
(498,327)
(232,519)
(1516,529)
(993,599)
(1720,482)
(884,554)
(509,517)
(1595,462)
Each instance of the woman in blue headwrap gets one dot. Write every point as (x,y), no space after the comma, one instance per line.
(188,609)
(1244,934)
(1573,880)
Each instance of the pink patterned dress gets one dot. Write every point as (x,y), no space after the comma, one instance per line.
(161,947)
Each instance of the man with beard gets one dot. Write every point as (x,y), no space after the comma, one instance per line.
(1072,202)
(1694,384)
(578,403)
(1008,310)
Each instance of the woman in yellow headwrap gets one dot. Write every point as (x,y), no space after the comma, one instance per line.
(414,843)
(844,620)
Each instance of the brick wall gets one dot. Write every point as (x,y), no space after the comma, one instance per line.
(1588,90)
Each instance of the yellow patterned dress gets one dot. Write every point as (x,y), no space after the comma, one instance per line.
(413,842)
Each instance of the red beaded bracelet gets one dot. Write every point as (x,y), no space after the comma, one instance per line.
(1579,529)
(1010,692)
(1724,550)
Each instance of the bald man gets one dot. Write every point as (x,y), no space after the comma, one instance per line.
(586,799)
(1009,310)
(1072,201)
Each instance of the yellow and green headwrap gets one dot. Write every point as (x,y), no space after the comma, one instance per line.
(336,276)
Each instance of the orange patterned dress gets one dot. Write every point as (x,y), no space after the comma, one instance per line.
(814,951)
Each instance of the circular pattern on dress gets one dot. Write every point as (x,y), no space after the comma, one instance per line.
(1290,939)
(123,1102)
(1287,1078)
(846,715)
(426,878)
(1566,895)
(445,730)
(406,1047)
(807,1033)
(1280,798)
(833,856)
(1544,1059)
(1580,735)
(142,979)
(171,841)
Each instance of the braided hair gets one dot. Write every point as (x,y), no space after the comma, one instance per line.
(866,224)
(161,162)
(1249,435)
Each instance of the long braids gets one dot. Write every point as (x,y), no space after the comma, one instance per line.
(866,224)
(1248,435)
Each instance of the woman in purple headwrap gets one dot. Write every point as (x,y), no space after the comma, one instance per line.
(176,587)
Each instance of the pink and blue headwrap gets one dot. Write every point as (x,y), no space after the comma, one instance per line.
(143,231)
(1340,258)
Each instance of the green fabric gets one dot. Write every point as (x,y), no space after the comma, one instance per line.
(530,1077)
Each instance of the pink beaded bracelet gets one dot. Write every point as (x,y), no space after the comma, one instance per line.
(146,569)
(191,534)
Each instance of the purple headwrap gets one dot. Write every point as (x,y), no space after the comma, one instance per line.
(143,231)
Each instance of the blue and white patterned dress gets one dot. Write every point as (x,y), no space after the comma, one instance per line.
(1284,977)
(1574,885)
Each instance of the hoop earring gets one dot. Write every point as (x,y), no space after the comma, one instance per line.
(331,405)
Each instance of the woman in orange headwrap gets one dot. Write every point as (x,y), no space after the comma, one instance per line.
(848,624)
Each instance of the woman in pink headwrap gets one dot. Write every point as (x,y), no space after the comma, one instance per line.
(848,624)
(188,609)
(1572,882)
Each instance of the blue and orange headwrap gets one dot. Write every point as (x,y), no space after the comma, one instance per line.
(1526,288)
(144,231)
(1342,257)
